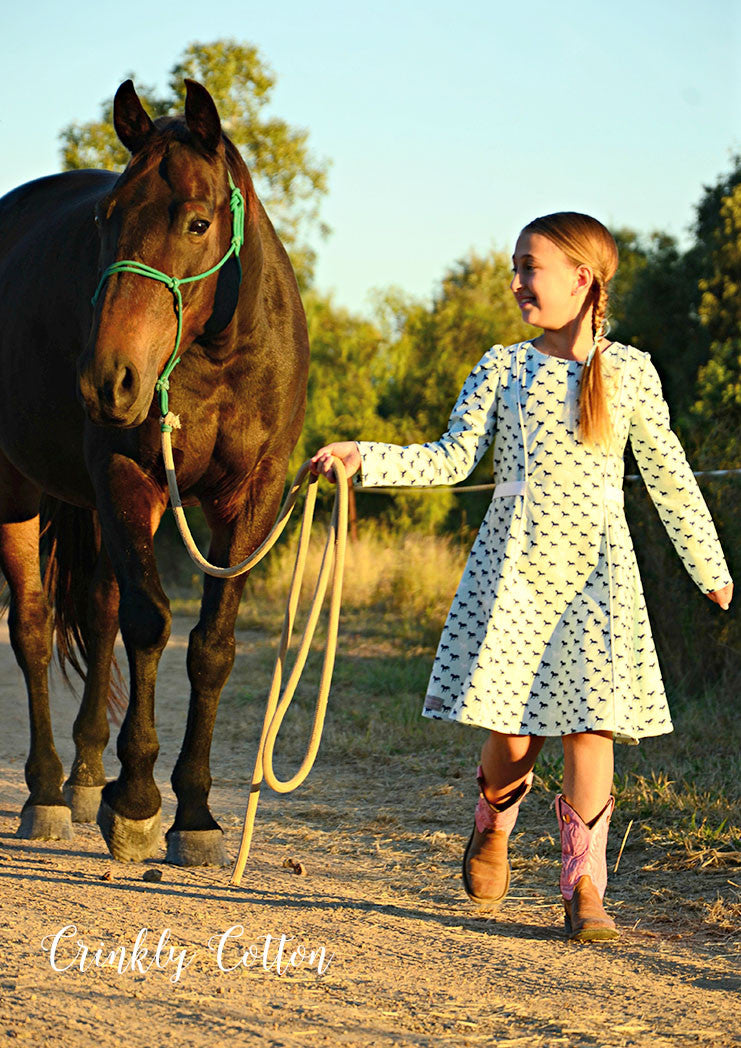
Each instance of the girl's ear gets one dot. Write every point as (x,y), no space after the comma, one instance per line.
(583,279)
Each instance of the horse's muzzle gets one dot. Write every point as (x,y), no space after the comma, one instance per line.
(113,396)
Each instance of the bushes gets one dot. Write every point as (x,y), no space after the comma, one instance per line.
(699,645)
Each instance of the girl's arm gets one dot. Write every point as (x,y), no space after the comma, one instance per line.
(445,461)
(674,490)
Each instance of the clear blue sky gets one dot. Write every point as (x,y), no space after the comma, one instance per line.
(449,125)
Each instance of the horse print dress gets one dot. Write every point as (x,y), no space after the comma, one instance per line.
(548,632)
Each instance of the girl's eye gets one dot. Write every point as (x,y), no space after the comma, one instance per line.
(198,226)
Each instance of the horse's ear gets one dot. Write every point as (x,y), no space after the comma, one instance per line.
(201,116)
(130,119)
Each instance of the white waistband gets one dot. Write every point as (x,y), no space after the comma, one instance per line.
(517,487)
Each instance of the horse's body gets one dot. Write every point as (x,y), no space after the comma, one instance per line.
(78,421)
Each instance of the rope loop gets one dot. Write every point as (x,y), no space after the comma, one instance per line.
(333,560)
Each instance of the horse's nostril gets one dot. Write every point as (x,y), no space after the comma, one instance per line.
(127,380)
(118,390)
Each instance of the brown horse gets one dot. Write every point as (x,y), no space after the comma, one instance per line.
(79,423)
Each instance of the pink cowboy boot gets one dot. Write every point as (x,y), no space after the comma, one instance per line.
(584,873)
(486,871)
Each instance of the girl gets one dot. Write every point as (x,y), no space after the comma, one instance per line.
(548,632)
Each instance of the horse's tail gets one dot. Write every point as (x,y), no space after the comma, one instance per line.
(70,544)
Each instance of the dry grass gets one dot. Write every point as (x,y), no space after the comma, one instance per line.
(412,578)
(681,865)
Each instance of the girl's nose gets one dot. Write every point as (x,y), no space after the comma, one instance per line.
(514,283)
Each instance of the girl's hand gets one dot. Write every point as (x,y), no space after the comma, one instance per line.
(722,596)
(345,450)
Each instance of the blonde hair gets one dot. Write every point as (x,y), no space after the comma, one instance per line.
(586,242)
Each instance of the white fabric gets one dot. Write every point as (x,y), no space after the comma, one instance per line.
(548,632)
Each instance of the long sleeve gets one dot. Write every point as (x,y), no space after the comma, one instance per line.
(673,488)
(451,458)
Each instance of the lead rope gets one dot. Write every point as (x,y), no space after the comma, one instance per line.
(333,561)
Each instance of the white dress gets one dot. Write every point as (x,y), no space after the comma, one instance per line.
(548,632)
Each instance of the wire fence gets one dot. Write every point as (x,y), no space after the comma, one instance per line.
(470,489)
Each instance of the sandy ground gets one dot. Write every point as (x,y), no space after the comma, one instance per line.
(399,957)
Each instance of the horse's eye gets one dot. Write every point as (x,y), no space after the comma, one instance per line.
(198,226)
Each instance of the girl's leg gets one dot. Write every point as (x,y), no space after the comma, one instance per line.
(584,811)
(587,772)
(506,761)
(504,778)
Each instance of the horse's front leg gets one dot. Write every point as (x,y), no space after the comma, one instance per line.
(130,506)
(84,787)
(195,837)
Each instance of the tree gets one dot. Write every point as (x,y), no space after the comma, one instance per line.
(654,305)
(342,397)
(435,347)
(289,181)
(720,307)
(424,357)
(717,409)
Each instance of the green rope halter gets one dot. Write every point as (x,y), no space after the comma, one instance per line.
(236,206)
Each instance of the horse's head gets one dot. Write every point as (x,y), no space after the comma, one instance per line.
(168,213)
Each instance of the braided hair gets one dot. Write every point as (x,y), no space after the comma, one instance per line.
(585,241)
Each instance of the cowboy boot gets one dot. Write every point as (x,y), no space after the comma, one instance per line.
(486,871)
(584,872)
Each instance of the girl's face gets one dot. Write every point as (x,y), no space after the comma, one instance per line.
(549,289)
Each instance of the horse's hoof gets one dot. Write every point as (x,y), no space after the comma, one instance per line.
(196,848)
(84,801)
(129,840)
(46,822)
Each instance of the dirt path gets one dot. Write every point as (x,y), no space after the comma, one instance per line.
(406,961)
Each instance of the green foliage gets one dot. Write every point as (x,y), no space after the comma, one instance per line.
(289,181)
(654,306)
(428,353)
(342,398)
(709,208)
(684,308)
(720,308)
(396,378)
(435,347)
(717,408)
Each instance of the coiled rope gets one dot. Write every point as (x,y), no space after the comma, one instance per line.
(333,561)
